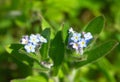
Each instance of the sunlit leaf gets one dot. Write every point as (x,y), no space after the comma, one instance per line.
(32,79)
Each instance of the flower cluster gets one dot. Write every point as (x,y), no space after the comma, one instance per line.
(32,42)
(78,41)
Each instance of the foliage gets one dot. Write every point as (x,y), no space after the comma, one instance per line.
(18,18)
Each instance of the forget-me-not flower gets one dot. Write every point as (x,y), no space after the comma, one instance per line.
(29,47)
(32,42)
(88,36)
(74,45)
(82,43)
(34,39)
(24,40)
(76,37)
(79,41)
(42,39)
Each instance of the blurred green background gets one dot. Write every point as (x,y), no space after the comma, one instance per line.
(20,17)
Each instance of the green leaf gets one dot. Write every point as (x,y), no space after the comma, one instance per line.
(11,47)
(16,46)
(57,49)
(97,52)
(95,26)
(45,25)
(65,29)
(26,58)
(45,47)
(32,79)
(21,55)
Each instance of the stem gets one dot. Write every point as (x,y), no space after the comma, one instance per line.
(38,55)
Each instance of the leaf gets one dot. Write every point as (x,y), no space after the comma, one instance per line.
(57,49)
(97,52)
(95,26)
(45,47)
(65,29)
(45,25)
(16,46)
(26,58)
(21,55)
(32,79)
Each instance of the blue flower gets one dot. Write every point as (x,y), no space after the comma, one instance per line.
(78,41)
(34,39)
(82,43)
(33,42)
(30,47)
(41,38)
(76,37)
(87,36)
(24,40)
(74,45)
(77,47)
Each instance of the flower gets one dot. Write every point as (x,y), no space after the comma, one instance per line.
(88,36)
(71,30)
(32,42)
(78,41)
(74,45)
(76,37)
(24,40)
(29,47)
(42,39)
(34,39)
(82,43)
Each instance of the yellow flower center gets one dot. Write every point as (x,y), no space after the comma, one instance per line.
(83,42)
(30,47)
(76,37)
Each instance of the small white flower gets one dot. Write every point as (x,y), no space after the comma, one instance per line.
(38,36)
(42,39)
(82,43)
(34,39)
(88,36)
(76,37)
(24,40)
(74,45)
(30,47)
(71,30)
